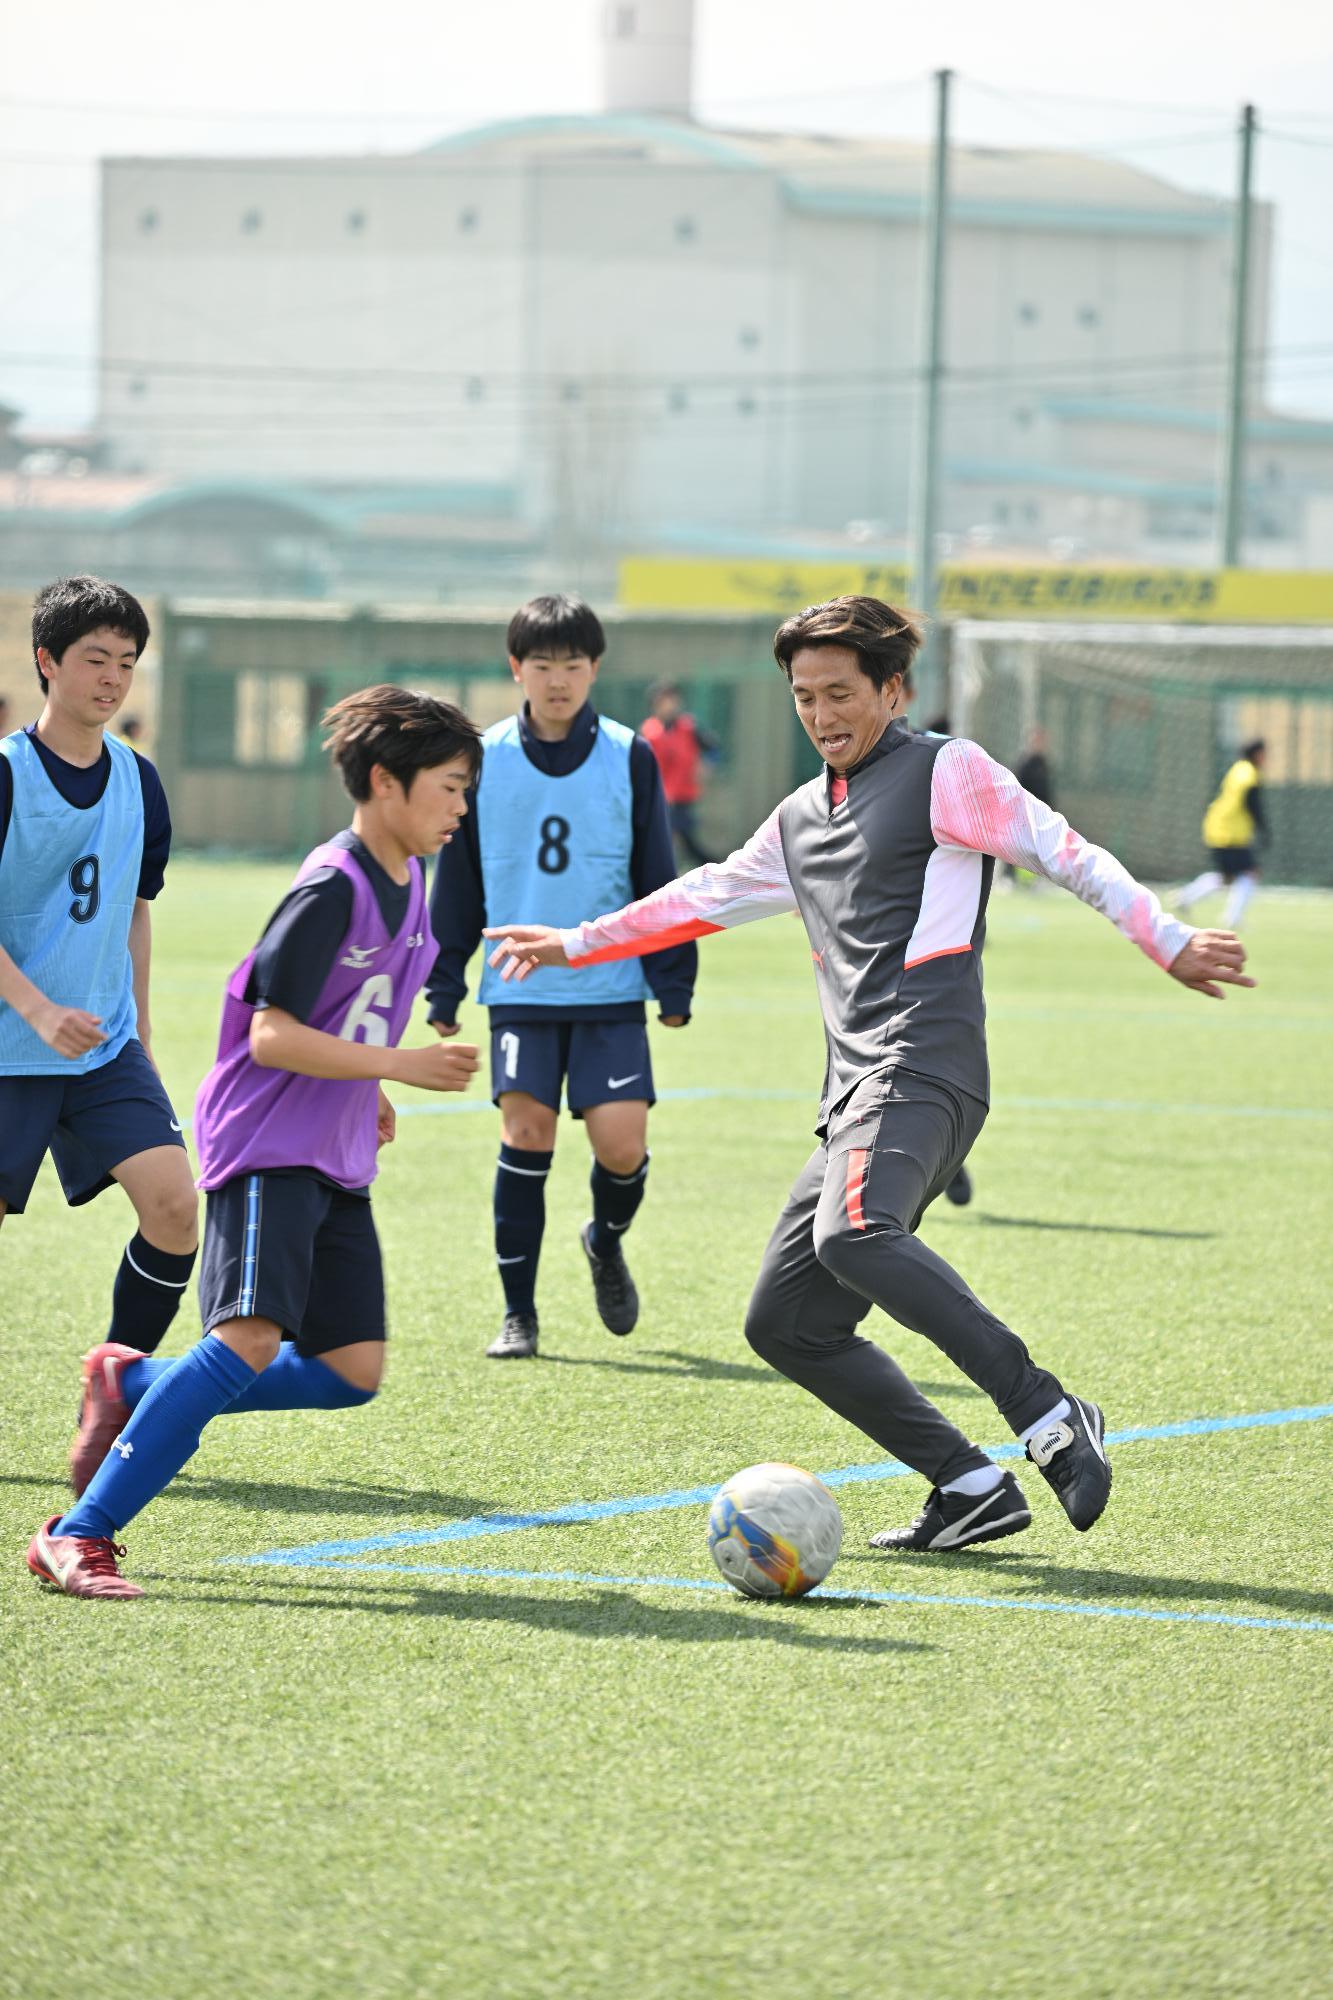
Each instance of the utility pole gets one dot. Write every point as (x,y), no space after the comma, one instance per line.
(924,496)
(1233,452)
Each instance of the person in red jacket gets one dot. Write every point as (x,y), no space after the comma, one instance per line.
(680,747)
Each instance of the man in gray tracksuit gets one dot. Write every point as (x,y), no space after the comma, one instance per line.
(888,857)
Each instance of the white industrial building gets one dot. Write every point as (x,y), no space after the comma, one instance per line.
(629,328)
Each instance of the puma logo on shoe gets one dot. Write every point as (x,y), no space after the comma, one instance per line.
(1043,1448)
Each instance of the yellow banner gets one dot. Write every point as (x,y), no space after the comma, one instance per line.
(985,590)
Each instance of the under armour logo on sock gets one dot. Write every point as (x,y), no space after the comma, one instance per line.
(123,1448)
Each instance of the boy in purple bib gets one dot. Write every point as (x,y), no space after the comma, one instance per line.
(288,1123)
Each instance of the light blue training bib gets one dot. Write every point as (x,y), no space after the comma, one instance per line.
(68,883)
(557,851)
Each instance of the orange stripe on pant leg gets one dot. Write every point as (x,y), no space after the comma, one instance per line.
(856,1169)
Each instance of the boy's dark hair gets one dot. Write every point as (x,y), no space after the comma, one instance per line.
(69,609)
(884,640)
(403,731)
(1253,749)
(556,625)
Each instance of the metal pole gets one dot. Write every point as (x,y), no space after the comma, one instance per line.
(1233,453)
(925,470)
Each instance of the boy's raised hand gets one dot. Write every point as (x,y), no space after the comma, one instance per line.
(438,1067)
(523,947)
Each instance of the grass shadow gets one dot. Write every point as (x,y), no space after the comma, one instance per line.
(596,1613)
(676,1361)
(1094,1228)
(1042,1576)
(348,1496)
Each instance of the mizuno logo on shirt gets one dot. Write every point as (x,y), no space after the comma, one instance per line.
(359,956)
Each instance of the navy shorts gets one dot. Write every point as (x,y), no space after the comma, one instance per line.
(599,1062)
(88,1123)
(295,1249)
(1232,862)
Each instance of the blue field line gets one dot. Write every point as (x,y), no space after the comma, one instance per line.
(1139,1107)
(477,1525)
(1069,1609)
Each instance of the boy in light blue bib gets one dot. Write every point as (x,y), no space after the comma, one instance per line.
(84,839)
(568,815)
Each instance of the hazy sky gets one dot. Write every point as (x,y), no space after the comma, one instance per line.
(1160,86)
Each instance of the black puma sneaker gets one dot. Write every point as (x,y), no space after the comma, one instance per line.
(952,1520)
(1071,1457)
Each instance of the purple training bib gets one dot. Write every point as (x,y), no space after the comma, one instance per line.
(247,1119)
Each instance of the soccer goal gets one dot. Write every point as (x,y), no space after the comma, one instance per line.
(1140,721)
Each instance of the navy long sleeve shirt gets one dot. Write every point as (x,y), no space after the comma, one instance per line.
(458,892)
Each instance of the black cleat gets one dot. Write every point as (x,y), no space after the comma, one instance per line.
(1071,1458)
(517,1338)
(612,1286)
(959,1190)
(952,1520)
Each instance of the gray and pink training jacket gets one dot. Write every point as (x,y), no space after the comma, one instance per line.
(891,870)
(247,1119)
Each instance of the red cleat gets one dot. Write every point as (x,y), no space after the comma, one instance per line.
(105,1412)
(80,1565)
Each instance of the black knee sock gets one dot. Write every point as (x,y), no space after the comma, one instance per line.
(149,1287)
(520,1221)
(615,1201)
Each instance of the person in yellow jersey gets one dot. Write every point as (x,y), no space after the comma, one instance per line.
(1232,826)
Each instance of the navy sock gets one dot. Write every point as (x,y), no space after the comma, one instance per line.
(291,1381)
(615,1202)
(520,1222)
(147,1293)
(160,1436)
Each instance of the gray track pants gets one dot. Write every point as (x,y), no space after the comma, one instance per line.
(845,1242)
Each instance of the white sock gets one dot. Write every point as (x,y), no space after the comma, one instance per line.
(1054,1416)
(984,1480)
(1241,891)
(1202,885)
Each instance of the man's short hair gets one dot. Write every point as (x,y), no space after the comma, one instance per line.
(403,731)
(555,625)
(69,609)
(884,640)
(1252,750)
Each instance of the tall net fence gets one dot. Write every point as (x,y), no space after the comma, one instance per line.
(1139,723)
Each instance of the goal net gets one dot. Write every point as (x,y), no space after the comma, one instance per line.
(1140,722)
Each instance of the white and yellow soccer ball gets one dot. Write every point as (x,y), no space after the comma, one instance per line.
(774,1531)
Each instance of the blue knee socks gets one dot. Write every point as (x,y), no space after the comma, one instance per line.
(291,1381)
(160,1436)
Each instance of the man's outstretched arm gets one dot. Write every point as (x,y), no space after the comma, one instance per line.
(749,884)
(976,803)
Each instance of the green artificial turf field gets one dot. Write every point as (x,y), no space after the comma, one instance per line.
(543,1762)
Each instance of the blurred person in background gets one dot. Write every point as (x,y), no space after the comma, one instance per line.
(131,730)
(682,747)
(1033,772)
(6,715)
(1233,826)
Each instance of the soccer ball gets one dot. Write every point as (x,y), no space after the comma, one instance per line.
(774,1531)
